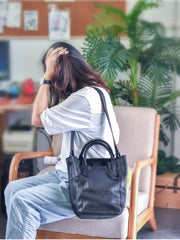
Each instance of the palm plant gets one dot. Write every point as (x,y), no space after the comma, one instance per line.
(150,60)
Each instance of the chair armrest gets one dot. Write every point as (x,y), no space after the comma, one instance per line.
(144,163)
(18,157)
(135,181)
(135,187)
(134,190)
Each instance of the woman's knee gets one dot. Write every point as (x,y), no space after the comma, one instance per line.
(11,189)
(18,202)
(17,198)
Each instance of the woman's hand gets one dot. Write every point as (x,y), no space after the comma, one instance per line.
(41,101)
(51,58)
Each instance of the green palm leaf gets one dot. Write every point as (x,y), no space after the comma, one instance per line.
(147,33)
(164,52)
(141,6)
(133,16)
(153,93)
(107,55)
(171,98)
(163,136)
(171,117)
(157,73)
(124,90)
(169,53)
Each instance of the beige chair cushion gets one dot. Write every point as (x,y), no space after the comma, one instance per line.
(113,228)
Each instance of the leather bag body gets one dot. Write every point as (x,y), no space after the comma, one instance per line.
(97,186)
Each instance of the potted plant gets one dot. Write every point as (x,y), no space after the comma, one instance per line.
(150,60)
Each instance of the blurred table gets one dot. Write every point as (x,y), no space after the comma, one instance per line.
(14,104)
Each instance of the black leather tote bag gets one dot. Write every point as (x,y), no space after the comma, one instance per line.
(97,186)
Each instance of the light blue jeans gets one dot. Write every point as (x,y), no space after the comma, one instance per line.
(36,200)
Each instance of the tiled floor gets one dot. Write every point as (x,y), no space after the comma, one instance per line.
(168,225)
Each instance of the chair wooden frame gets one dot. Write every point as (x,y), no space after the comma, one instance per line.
(135,222)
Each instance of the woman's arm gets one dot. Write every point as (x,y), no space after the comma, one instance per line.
(40,103)
(41,100)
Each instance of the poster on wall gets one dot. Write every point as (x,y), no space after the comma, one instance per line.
(59,25)
(31,20)
(13,15)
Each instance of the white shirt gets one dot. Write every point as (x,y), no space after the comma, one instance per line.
(83,113)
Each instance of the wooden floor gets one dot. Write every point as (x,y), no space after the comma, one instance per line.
(168,225)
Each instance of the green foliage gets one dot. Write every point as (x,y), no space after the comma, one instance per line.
(150,60)
(124,91)
(107,55)
(116,21)
(134,15)
(167,163)
(171,117)
(110,19)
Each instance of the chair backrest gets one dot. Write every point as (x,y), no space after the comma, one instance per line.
(137,127)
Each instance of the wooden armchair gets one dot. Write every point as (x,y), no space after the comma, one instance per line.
(139,139)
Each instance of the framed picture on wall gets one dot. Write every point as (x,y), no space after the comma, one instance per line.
(13,19)
(31,20)
(59,25)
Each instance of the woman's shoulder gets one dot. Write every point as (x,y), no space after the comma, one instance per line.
(84,91)
(90,92)
(93,98)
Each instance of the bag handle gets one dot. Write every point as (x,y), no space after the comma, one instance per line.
(111,166)
(89,144)
(103,100)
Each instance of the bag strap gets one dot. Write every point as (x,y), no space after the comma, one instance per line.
(108,118)
(72,143)
(103,100)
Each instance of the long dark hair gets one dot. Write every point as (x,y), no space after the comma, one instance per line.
(73,73)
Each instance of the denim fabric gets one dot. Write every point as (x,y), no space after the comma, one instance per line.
(36,200)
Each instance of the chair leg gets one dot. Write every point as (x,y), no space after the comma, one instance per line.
(132,234)
(152,223)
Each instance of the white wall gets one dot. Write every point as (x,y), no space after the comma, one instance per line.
(26,56)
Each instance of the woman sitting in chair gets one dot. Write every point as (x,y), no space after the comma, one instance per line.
(73,106)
